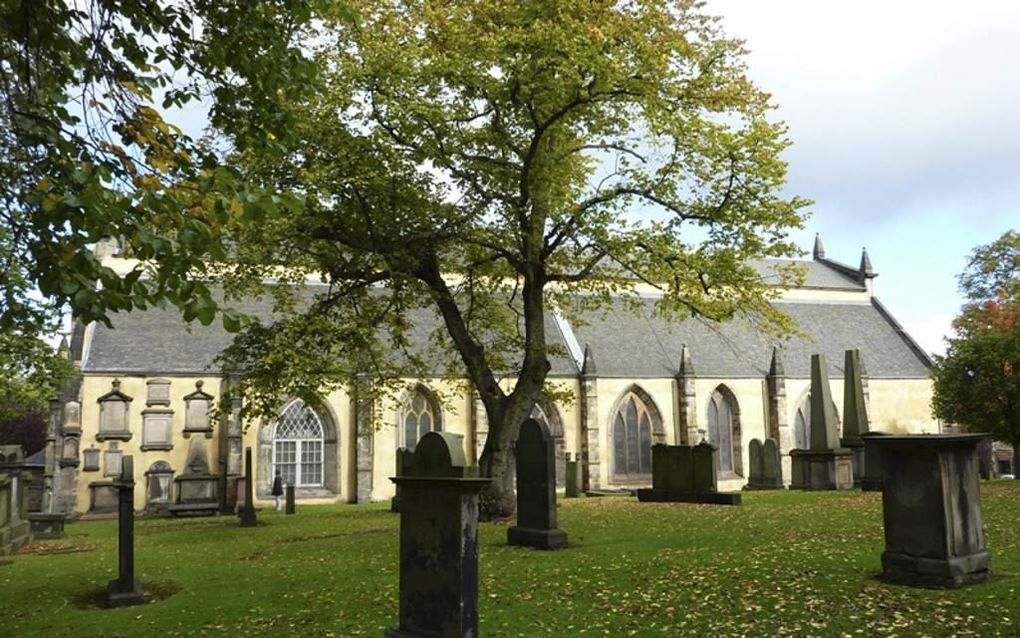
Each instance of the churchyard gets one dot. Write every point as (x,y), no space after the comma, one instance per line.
(783,563)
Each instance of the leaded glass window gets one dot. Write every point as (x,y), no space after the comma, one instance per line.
(720,429)
(632,438)
(420,417)
(297,445)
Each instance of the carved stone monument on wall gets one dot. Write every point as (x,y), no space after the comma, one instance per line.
(826,465)
(536,490)
(931,509)
(196,486)
(438,541)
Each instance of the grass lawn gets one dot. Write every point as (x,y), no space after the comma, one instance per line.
(784,563)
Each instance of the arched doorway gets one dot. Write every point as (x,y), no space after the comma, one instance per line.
(302,444)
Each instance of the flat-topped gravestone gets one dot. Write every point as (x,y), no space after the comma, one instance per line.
(536,490)
(125,589)
(686,474)
(931,510)
(826,465)
(766,466)
(247,511)
(573,477)
(438,541)
(872,480)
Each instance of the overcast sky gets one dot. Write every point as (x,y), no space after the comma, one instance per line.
(905,118)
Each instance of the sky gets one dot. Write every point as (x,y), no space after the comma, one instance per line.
(905,122)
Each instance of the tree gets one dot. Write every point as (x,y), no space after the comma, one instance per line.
(977,382)
(88,150)
(479,161)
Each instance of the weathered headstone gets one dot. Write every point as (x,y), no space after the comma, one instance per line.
(404,457)
(125,589)
(826,466)
(573,478)
(766,466)
(247,511)
(15,530)
(686,474)
(438,541)
(931,509)
(289,505)
(536,490)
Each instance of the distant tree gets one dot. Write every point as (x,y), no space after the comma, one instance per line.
(482,161)
(977,382)
(31,373)
(26,428)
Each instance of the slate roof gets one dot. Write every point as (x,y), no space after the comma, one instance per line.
(641,346)
(158,342)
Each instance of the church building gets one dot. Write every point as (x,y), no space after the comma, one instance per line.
(148,387)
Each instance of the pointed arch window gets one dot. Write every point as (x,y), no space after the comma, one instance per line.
(297,446)
(634,426)
(420,415)
(720,428)
(802,423)
(544,411)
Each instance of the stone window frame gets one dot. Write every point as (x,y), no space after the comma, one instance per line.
(431,404)
(198,395)
(657,432)
(115,396)
(332,455)
(300,442)
(722,394)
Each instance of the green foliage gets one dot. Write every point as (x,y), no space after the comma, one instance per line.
(782,564)
(482,162)
(87,148)
(977,382)
(31,373)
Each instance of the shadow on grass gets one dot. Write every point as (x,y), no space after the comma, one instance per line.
(95,599)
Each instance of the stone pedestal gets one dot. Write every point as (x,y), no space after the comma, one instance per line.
(289,504)
(125,589)
(856,448)
(197,488)
(872,480)
(438,541)
(931,509)
(47,525)
(574,478)
(822,469)
(536,490)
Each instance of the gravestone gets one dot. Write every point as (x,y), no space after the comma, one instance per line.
(766,466)
(289,505)
(931,510)
(826,465)
(855,413)
(403,458)
(247,510)
(15,529)
(573,477)
(125,589)
(872,481)
(686,474)
(536,490)
(438,541)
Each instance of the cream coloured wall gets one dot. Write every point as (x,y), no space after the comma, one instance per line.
(94,387)
(751,402)
(902,406)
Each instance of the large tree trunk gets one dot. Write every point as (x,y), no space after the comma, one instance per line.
(498,499)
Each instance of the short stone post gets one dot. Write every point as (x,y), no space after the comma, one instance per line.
(404,456)
(288,507)
(438,541)
(125,589)
(573,478)
(536,490)
(247,511)
(931,509)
